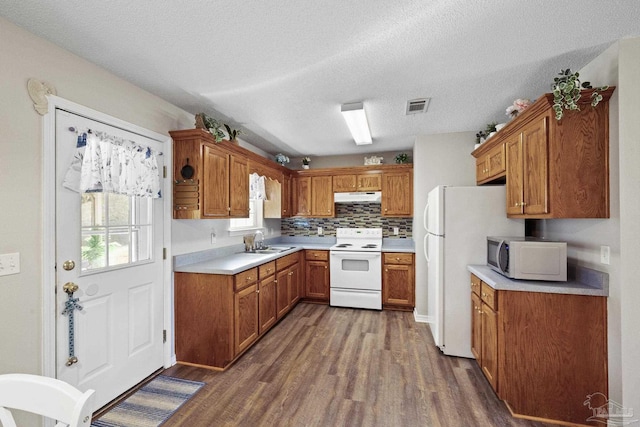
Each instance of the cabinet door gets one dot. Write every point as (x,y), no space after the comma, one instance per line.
(282,292)
(317,280)
(536,174)
(370,182)
(489,345)
(496,161)
(481,169)
(321,196)
(303,195)
(285,196)
(476,327)
(294,284)
(215,183)
(239,185)
(515,180)
(398,285)
(397,194)
(267,303)
(344,183)
(246,317)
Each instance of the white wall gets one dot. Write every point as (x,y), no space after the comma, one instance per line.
(443,159)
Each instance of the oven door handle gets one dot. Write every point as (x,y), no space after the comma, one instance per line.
(355,255)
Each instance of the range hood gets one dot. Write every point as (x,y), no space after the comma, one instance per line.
(359,197)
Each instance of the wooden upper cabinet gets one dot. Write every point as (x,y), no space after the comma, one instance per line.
(286,204)
(397,194)
(491,166)
(344,183)
(359,182)
(554,169)
(313,196)
(302,195)
(322,196)
(216,183)
(535,172)
(238,186)
(215,197)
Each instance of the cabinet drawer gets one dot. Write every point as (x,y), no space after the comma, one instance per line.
(489,296)
(398,258)
(286,261)
(267,269)
(246,278)
(475,284)
(317,255)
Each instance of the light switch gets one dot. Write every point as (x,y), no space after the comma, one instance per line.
(9,264)
(319,231)
(605,255)
(396,231)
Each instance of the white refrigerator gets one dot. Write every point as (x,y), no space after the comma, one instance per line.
(458,221)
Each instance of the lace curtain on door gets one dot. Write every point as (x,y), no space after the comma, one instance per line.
(109,164)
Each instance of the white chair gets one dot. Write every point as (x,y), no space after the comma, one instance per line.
(49,397)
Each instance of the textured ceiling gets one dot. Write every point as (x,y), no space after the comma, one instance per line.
(281,69)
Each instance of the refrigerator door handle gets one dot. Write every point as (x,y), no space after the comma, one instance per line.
(426,216)
(426,246)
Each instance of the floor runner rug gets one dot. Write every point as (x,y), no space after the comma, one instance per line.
(152,405)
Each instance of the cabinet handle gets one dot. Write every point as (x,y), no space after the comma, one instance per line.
(397,259)
(275,281)
(229,209)
(386,210)
(325,267)
(248,278)
(258,291)
(523,204)
(315,255)
(386,270)
(517,204)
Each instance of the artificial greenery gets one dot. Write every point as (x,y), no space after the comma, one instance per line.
(233,133)
(212,125)
(567,91)
(484,134)
(402,158)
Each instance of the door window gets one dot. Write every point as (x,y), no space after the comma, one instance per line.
(116,231)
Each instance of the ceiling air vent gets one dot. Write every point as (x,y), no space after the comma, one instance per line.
(416,106)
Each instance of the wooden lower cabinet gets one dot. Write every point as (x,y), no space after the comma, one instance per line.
(542,353)
(398,281)
(317,276)
(268,312)
(218,317)
(246,320)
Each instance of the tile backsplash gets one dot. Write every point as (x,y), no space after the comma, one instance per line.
(348,215)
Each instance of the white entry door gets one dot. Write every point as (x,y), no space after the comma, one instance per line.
(111,247)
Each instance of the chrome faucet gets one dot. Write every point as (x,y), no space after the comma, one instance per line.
(258,240)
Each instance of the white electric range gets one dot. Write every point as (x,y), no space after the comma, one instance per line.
(356,268)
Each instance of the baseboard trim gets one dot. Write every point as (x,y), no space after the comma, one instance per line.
(419,318)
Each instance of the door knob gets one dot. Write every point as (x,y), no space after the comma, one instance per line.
(68,265)
(70,288)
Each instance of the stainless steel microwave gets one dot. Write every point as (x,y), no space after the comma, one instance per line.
(528,258)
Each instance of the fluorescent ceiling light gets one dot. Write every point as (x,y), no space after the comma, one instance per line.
(357,121)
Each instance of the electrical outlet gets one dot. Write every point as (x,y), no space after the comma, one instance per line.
(214,240)
(320,231)
(9,264)
(605,255)
(396,231)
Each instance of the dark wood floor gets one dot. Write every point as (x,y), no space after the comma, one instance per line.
(325,366)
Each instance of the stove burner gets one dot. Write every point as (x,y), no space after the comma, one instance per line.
(343,245)
(370,246)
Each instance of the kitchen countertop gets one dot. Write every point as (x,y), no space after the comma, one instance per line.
(233,260)
(582,281)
